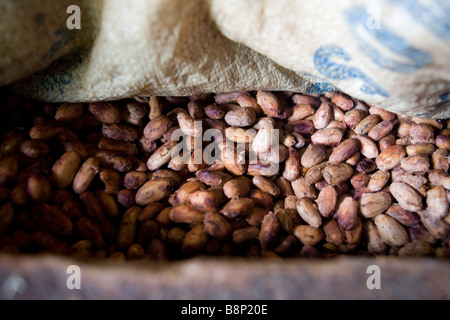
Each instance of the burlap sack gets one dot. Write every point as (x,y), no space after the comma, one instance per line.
(391,53)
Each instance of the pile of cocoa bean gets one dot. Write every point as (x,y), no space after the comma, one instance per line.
(100,180)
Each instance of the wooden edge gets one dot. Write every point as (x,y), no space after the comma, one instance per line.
(46,276)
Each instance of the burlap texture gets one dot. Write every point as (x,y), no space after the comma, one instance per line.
(391,53)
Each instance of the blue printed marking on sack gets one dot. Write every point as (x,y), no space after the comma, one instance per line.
(444,100)
(333,70)
(66,36)
(357,18)
(445,97)
(320,87)
(39,19)
(60,78)
(435,15)
(317,84)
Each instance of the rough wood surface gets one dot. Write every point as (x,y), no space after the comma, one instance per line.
(44,277)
